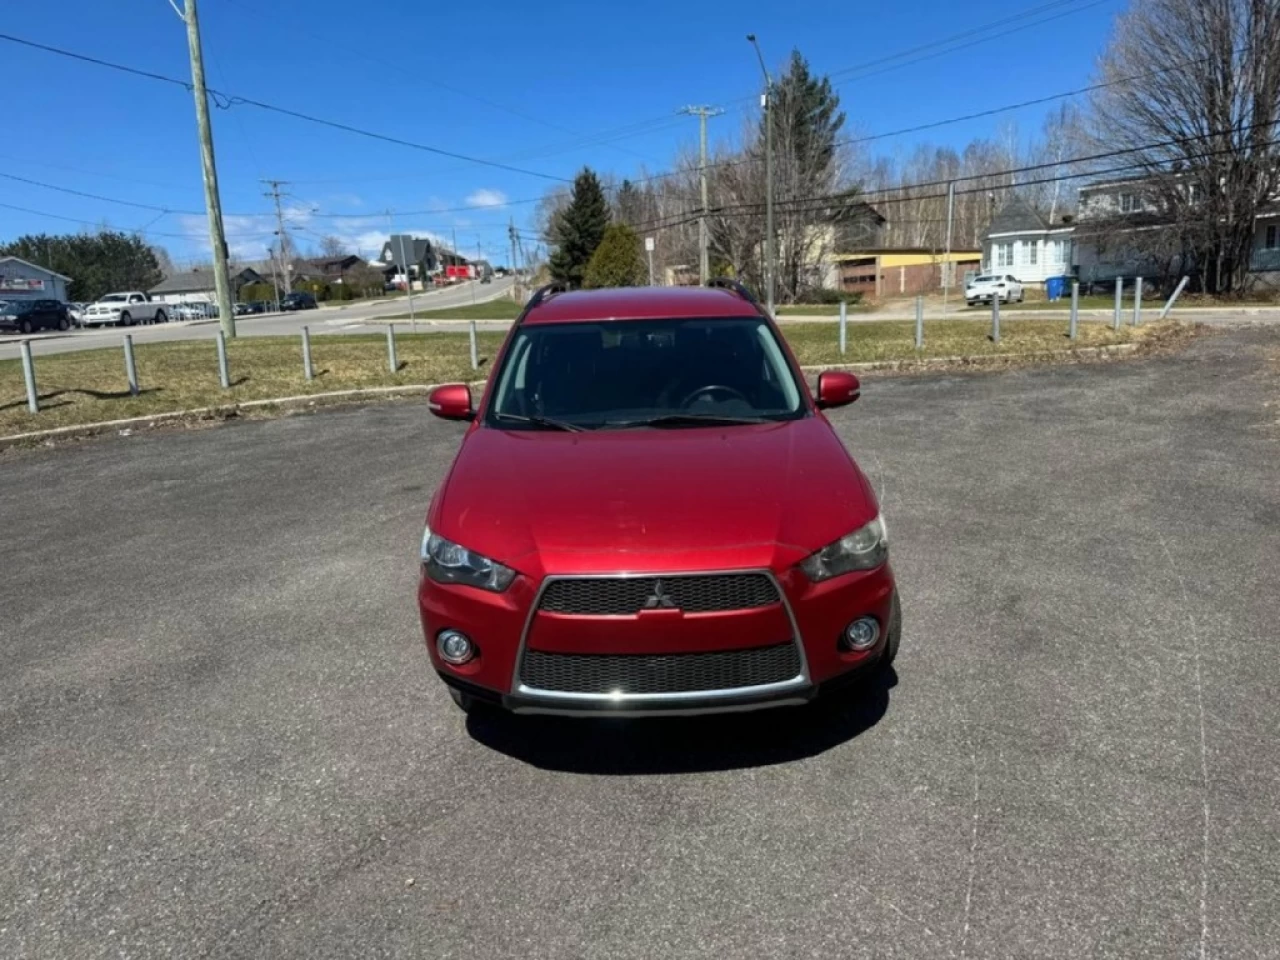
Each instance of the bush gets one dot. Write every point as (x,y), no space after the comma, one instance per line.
(257,291)
(617,262)
(825,296)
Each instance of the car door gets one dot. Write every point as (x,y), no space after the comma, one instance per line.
(46,314)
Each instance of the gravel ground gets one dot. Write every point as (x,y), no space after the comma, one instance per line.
(219,735)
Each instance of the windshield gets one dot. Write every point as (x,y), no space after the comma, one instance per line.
(625,373)
(16,306)
(113,298)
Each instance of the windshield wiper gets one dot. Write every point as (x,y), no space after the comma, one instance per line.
(540,421)
(689,420)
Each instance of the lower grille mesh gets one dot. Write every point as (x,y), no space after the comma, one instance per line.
(659,673)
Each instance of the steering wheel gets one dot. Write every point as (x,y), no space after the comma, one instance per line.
(713,388)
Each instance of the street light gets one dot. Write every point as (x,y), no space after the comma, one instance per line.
(768,175)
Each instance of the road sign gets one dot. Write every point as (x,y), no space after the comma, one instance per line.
(648,244)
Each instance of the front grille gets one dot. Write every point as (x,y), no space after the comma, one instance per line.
(631,674)
(622,596)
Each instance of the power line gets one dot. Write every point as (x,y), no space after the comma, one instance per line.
(227,101)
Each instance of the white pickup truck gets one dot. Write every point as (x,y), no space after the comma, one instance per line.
(123,310)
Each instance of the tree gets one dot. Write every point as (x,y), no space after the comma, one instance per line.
(332,247)
(1201,135)
(629,204)
(365,279)
(97,263)
(578,229)
(617,261)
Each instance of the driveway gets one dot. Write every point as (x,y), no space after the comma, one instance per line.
(219,734)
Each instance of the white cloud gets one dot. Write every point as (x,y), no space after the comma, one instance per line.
(487,198)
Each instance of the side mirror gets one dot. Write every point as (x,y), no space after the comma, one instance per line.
(451,402)
(837,388)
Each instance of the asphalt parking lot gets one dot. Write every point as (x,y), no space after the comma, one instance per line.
(219,736)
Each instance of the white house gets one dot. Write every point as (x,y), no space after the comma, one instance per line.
(1023,243)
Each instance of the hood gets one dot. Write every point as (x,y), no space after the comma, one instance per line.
(651,500)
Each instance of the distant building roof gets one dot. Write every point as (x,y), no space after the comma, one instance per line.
(1018,216)
(199,281)
(34,266)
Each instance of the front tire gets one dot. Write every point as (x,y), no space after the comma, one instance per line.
(126,319)
(160,317)
(24,326)
(64,323)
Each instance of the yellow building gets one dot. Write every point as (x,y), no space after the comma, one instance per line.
(902,271)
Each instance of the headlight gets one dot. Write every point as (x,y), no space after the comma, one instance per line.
(864,549)
(447,562)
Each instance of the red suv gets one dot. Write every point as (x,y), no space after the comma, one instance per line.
(649,514)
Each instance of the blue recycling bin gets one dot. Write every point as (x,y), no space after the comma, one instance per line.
(1055,288)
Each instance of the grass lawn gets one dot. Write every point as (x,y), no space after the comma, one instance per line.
(89,386)
(817,309)
(502,309)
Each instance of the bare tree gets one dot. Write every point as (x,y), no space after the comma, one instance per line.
(1203,134)
(333,247)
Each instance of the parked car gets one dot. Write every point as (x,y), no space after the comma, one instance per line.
(27,316)
(76,312)
(124,310)
(299,300)
(242,309)
(988,286)
(260,306)
(650,513)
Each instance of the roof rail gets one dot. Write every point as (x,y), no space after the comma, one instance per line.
(545,292)
(733,286)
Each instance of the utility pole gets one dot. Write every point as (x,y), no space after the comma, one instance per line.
(212,199)
(274,194)
(704,260)
(476,279)
(515,270)
(408,277)
(947,265)
(766,101)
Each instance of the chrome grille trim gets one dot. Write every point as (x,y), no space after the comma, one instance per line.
(798,683)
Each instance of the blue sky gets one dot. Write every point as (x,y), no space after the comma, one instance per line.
(546,87)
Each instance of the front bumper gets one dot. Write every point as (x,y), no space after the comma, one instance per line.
(811,616)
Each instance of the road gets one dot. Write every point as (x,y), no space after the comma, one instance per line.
(325,320)
(220,736)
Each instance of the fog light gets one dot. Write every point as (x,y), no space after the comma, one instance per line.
(454,647)
(862,634)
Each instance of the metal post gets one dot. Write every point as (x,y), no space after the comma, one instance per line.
(130,367)
(408,284)
(1182,285)
(649,250)
(1075,309)
(392,363)
(212,200)
(947,266)
(1137,302)
(844,322)
(475,356)
(224,375)
(919,323)
(1115,324)
(995,319)
(29,375)
(308,370)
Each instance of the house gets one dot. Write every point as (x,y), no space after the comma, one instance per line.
(902,271)
(1124,231)
(425,258)
(334,269)
(1022,242)
(199,286)
(21,280)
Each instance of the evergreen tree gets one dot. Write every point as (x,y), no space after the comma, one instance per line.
(578,229)
(618,261)
(97,263)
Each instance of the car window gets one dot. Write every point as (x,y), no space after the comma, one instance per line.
(113,298)
(629,371)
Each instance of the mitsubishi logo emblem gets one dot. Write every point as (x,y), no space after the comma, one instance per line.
(659,600)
